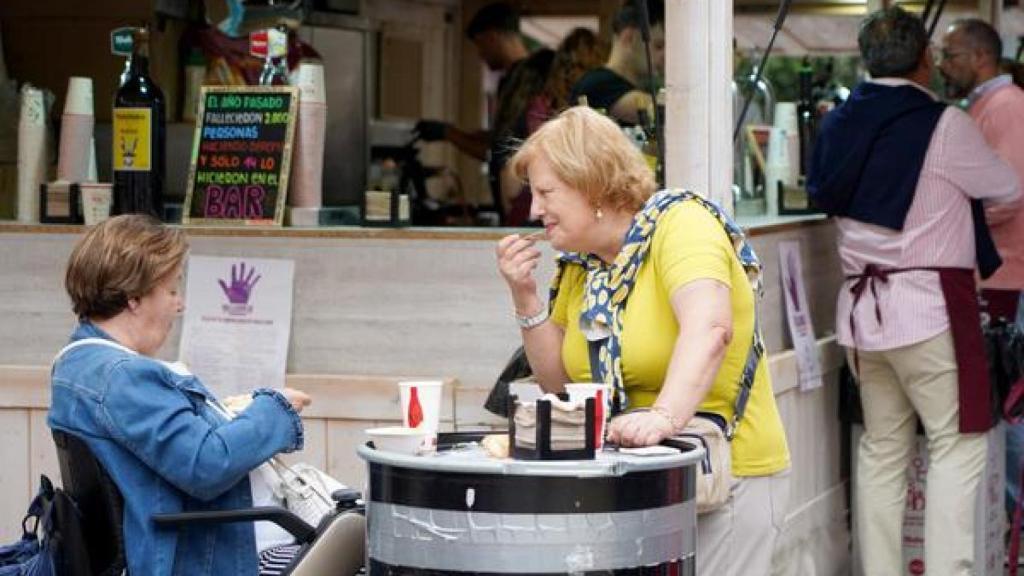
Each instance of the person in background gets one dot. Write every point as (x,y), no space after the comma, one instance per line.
(681,327)
(619,88)
(494,30)
(578,52)
(900,170)
(513,118)
(969,64)
(155,428)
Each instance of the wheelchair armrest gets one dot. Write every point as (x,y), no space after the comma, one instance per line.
(294,525)
(346,498)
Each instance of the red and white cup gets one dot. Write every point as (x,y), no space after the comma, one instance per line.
(420,401)
(601,393)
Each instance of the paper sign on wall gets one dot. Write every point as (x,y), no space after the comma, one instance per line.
(237,322)
(798,315)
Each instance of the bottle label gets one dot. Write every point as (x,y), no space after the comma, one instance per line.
(121,41)
(132,132)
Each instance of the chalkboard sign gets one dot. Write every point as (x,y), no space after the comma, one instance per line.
(241,155)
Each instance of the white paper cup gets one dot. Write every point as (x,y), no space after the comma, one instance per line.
(79,97)
(785,116)
(309,78)
(305,189)
(76,136)
(32,159)
(96,200)
(601,393)
(421,407)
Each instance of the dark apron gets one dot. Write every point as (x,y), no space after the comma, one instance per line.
(960,294)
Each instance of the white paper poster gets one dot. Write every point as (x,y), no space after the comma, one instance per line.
(798,315)
(237,322)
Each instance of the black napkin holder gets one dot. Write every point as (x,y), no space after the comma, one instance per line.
(542,443)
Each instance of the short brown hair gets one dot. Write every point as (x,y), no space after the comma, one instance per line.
(122,258)
(589,152)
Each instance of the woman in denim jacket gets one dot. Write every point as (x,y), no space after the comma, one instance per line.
(149,424)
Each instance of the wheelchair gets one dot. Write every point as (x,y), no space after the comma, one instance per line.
(337,546)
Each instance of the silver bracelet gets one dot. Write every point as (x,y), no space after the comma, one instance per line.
(527,322)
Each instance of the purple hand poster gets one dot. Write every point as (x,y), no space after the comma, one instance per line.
(805,345)
(237,322)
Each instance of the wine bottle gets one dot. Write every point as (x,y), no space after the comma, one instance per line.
(806,116)
(139,136)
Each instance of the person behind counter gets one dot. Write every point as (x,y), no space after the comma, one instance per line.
(578,52)
(152,426)
(617,87)
(659,273)
(494,30)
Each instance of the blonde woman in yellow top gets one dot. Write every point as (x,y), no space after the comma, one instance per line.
(666,282)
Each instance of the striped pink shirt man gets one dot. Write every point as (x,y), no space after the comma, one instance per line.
(998,108)
(938,231)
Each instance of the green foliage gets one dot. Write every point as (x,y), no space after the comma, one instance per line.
(781,72)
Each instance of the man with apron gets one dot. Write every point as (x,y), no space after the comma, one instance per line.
(906,176)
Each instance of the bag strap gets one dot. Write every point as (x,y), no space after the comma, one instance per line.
(275,464)
(85,341)
(754,355)
(746,384)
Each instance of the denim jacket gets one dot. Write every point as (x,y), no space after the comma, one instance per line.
(168,451)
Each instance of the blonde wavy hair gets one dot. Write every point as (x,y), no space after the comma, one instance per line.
(122,258)
(589,152)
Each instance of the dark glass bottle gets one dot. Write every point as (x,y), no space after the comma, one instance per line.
(806,116)
(139,136)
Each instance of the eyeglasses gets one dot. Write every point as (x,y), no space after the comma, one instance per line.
(944,55)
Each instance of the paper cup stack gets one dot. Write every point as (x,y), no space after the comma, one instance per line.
(783,161)
(306,188)
(76,128)
(31,152)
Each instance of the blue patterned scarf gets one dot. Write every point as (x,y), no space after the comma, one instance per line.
(608,286)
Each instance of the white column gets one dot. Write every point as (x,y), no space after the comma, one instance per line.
(698,118)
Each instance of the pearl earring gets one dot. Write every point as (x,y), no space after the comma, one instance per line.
(598,214)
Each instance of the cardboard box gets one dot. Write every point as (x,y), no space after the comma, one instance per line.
(989,514)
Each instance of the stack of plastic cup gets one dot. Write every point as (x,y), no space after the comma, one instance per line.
(782,163)
(31,152)
(306,187)
(76,128)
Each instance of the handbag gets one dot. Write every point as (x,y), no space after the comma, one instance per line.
(711,431)
(60,549)
(1004,346)
(714,483)
(306,490)
(517,367)
(14,556)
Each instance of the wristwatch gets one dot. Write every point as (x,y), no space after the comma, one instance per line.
(527,322)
